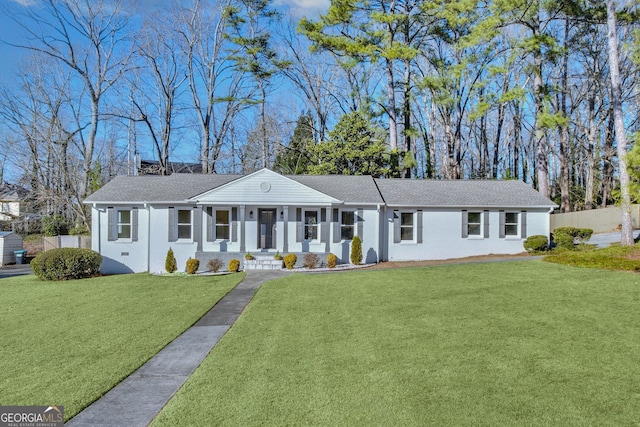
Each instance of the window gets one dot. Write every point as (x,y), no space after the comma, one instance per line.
(5,207)
(184,224)
(511,224)
(311,225)
(406,226)
(347,225)
(474,226)
(124,224)
(222,225)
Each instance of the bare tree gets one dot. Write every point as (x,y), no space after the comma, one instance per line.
(89,38)
(217,89)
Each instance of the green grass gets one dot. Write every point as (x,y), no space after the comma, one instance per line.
(68,343)
(610,258)
(518,343)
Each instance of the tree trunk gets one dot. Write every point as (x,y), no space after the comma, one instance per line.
(591,163)
(621,140)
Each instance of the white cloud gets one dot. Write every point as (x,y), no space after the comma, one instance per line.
(305,7)
(25,2)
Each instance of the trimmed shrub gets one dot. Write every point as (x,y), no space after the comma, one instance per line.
(214,265)
(234,265)
(66,264)
(356,250)
(290,261)
(310,260)
(565,237)
(170,263)
(332,261)
(192,265)
(536,243)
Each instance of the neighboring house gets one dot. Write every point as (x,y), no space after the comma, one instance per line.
(10,198)
(135,220)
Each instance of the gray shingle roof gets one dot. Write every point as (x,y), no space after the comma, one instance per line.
(461,193)
(154,188)
(351,189)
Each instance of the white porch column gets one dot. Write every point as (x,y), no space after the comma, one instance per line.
(242,229)
(285,231)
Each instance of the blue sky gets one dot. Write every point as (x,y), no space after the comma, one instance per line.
(10,32)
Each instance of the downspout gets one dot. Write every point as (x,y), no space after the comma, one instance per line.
(548,224)
(147,208)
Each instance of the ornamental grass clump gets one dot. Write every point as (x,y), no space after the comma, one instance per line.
(310,261)
(214,265)
(290,261)
(192,265)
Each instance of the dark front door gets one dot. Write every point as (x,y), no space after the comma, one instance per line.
(267,229)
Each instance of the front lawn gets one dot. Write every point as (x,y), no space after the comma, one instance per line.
(68,343)
(518,343)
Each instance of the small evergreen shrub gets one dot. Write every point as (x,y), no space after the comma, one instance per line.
(170,263)
(536,243)
(234,265)
(192,265)
(565,237)
(332,261)
(66,264)
(356,250)
(290,261)
(54,225)
(214,265)
(310,260)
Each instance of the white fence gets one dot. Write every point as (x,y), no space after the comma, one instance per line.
(599,220)
(56,242)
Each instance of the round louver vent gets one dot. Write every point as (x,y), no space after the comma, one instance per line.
(265,187)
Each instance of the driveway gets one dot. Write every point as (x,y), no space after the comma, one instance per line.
(15,270)
(602,240)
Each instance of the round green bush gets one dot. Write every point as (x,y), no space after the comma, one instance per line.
(536,243)
(66,264)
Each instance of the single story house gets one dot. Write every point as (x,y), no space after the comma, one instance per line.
(136,219)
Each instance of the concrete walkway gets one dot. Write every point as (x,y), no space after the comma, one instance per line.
(139,398)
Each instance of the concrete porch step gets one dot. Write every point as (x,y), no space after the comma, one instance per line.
(262,263)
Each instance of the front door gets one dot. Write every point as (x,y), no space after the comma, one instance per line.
(267,229)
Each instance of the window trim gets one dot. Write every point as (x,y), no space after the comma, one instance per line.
(316,225)
(178,224)
(353,225)
(117,224)
(216,224)
(413,226)
(516,224)
(480,225)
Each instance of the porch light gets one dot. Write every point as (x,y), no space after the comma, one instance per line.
(250,214)
(281,214)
